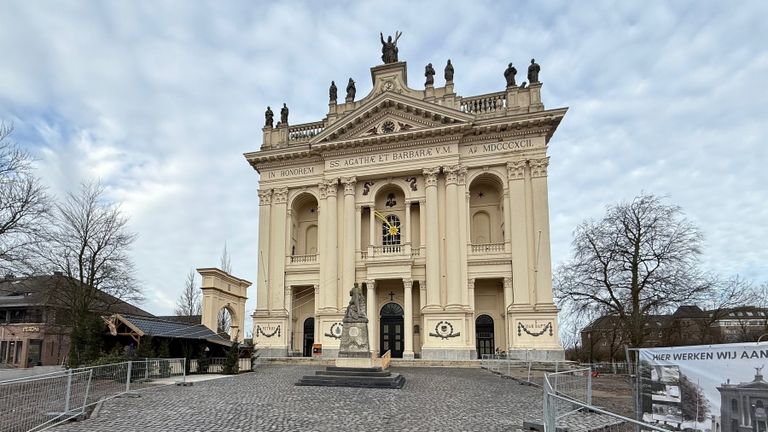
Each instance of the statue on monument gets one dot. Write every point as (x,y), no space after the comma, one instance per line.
(389,48)
(429,72)
(449,71)
(284,115)
(533,72)
(509,74)
(332,93)
(269,118)
(351,90)
(356,309)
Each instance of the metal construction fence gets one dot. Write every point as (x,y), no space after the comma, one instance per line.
(524,370)
(568,405)
(42,401)
(216,365)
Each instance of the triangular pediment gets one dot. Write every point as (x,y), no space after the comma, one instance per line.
(391,114)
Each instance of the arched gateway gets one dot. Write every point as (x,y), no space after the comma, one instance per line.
(224,298)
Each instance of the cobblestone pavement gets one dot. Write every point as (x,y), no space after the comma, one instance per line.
(433,399)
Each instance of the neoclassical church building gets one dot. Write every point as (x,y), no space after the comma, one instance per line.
(436,204)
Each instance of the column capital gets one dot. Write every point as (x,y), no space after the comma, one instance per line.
(359,208)
(451,174)
(280,195)
(507,283)
(430,176)
(289,212)
(323,189)
(539,167)
(316,288)
(462,175)
(331,185)
(265,196)
(515,170)
(422,202)
(407,283)
(471,283)
(349,185)
(370,283)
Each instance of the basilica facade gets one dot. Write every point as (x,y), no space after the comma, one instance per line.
(434,203)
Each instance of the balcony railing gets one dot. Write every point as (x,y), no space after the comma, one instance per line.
(487,247)
(304,132)
(488,103)
(302,259)
(388,249)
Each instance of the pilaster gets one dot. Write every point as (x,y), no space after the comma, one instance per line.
(543,262)
(370,303)
(517,224)
(452,244)
(433,241)
(262,283)
(331,280)
(277,305)
(408,319)
(348,257)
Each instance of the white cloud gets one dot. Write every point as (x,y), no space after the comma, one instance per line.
(160,100)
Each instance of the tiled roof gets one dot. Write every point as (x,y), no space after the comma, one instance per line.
(157,327)
(186,319)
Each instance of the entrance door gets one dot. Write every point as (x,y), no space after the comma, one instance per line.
(484,335)
(391,334)
(309,336)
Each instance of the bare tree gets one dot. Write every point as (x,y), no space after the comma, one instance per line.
(89,244)
(223,322)
(189,303)
(226,264)
(23,207)
(639,259)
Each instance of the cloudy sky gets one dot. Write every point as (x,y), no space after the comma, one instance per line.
(159,100)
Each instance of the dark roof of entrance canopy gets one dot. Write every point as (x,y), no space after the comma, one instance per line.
(155,327)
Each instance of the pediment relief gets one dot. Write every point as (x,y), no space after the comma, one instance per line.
(391,113)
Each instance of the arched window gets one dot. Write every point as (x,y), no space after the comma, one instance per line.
(390,231)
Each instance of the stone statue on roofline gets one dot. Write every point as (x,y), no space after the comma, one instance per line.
(509,74)
(351,90)
(269,118)
(389,48)
(284,115)
(332,93)
(533,72)
(429,72)
(449,71)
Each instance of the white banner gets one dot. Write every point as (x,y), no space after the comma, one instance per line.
(716,388)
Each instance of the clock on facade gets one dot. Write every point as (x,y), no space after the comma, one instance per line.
(388,126)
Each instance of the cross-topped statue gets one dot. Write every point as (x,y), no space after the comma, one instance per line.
(389,48)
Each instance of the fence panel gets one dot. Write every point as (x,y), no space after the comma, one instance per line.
(39,402)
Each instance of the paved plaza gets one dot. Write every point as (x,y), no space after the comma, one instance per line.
(433,399)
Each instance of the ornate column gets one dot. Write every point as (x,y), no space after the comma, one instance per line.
(518,230)
(471,293)
(348,256)
(262,282)
(452,246)
(542,258)
(507,218)
(277,251)
(509,298)
(289,322)
(331,253)
(358,232)
(370,304)
(322,240)
(316,336)
(462,199)
(422,224)
(408,294)
(433,241)
(371,231)
(408,222)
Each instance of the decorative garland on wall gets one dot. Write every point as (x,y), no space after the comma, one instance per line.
(444,330)
(521,326)
(336,330)
(261,332)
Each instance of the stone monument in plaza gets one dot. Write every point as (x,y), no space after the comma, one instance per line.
(355,367)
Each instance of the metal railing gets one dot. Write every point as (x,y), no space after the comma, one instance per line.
(39,402)
(215,365)
(568,405)
(525,370)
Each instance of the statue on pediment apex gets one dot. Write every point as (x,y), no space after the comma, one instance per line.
(429,72)
(389,48)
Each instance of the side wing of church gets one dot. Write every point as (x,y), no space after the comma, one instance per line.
(435,203)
